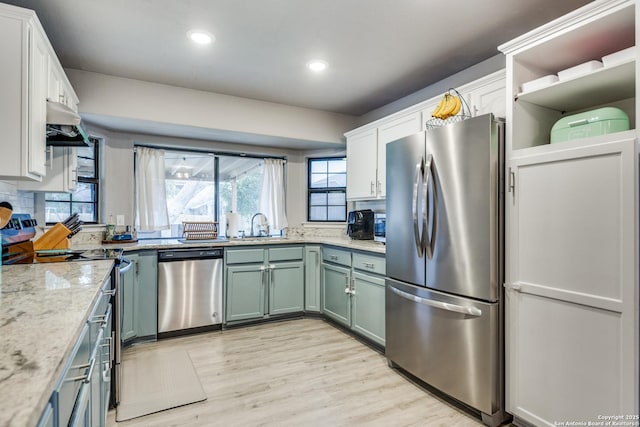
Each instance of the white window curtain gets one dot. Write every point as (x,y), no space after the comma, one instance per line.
(152,213)
(272,200)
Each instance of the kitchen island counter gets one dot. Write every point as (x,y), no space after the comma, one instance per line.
(43,308)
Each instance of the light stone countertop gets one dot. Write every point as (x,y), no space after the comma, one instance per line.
(43,308)
(362,245)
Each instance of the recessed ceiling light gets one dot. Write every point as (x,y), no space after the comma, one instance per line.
(317,65)
(201,36)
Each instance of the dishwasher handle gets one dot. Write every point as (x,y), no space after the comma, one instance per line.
(190,254)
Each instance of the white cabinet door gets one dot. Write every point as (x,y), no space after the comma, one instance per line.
(388,132)
(23,84)
(571,285)
(62,172)
(361,165)
(490,98)
(38,80)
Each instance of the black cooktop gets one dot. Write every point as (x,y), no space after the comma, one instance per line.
(60,255)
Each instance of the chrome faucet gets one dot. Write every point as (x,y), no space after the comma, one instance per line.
(260,232)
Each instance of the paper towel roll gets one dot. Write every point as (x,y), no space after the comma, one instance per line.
(233,224)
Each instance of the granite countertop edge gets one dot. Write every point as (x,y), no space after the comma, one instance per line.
(154,244)
(25,409)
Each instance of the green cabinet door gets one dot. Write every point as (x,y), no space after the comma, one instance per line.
(286,287)
(147,295)
(336,302)
(312,278)
(245,292)
(128,299)
(367,306)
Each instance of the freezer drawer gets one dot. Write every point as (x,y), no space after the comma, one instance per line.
(449,342)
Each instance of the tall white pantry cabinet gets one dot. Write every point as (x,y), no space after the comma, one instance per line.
(571,282)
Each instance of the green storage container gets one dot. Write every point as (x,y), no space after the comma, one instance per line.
(600,121)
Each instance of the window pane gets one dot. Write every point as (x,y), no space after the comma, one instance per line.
(318,213)
(337,180)
(318,180)
(240,185)
(57,211)
(84,192)
(336,213)
(318,166)
(337,166)
(319,199)
(336,199)
(86,211)
(86,168)
(57,196)
(86,152)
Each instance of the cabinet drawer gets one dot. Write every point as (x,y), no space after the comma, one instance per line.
(285,254)
(371,263)
(244,256)
(337,256)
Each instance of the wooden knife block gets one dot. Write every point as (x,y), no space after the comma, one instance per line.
(54,238)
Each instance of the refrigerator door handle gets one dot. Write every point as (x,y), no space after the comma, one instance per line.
(416,202)
(429,179)
(470,311)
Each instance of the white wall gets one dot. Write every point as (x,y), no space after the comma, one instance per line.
(117,97)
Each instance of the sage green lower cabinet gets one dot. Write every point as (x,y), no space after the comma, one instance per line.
(286,287)
(263,282)
(312,263)
(367,306)
(245,292)
(139,297)
(81,393)
(336,302)
(353,285)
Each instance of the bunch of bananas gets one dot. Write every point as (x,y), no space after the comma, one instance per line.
(449,106)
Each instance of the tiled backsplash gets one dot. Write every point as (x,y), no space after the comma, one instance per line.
(22,201)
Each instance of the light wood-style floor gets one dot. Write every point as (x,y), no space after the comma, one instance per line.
(301,372)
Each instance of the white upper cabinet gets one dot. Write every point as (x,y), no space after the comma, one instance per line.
(26,82)
(23,103)
(571,267)
(62,172)
(362,151)
(366,146)
(391,131)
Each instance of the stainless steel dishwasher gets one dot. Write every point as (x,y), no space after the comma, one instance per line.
(189,290)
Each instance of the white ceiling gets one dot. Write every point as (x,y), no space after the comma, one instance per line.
(378,50)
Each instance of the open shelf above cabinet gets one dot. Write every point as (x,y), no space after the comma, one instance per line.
(599,87)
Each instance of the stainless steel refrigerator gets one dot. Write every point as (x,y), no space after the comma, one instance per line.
(444,260)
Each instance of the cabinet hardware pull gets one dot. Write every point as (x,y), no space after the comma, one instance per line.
(368,264)
(334,257)
(513,286)
(372,190)
(512,182)
(110,293)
